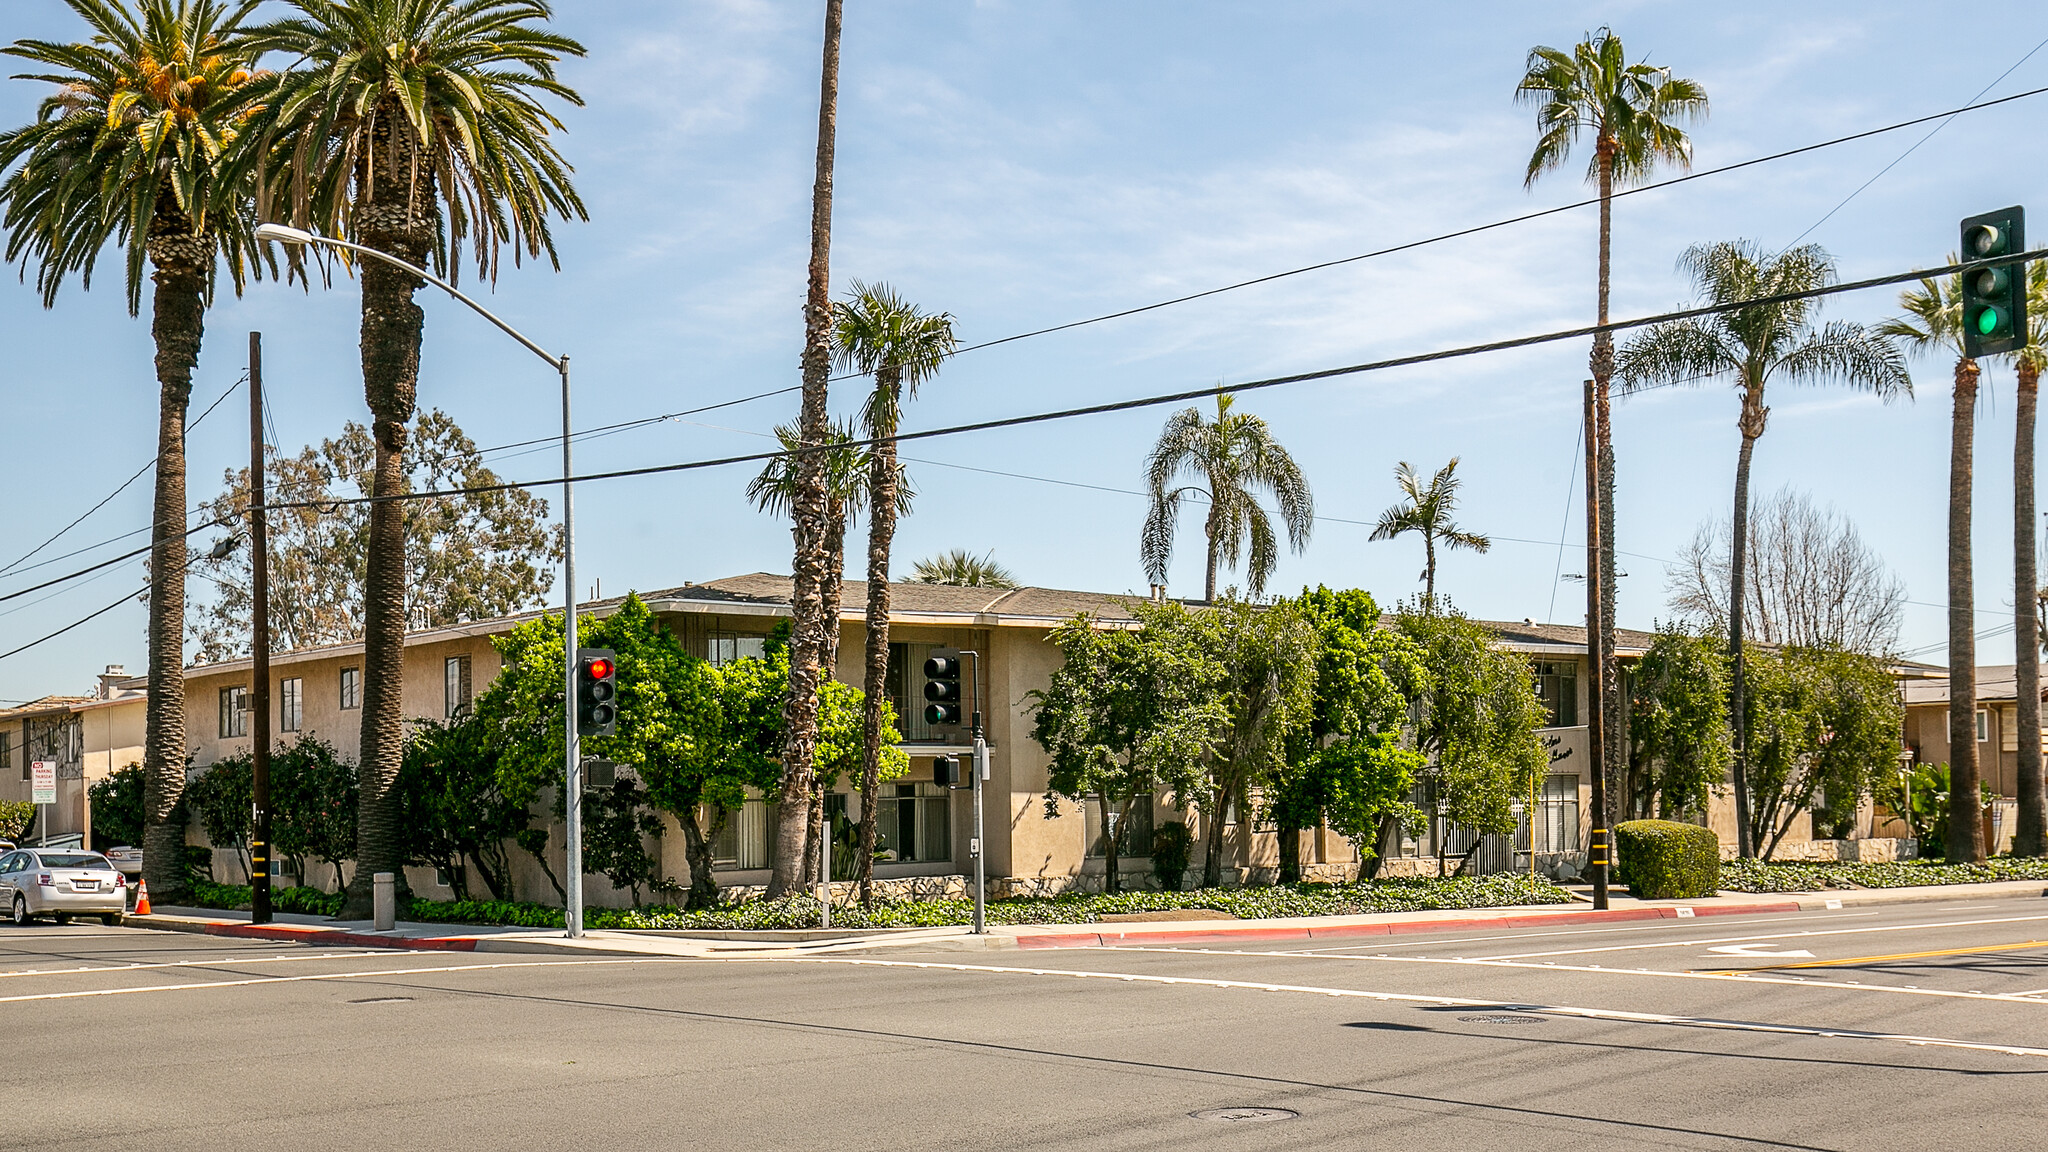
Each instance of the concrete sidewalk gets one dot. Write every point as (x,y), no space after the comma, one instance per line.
(320,931)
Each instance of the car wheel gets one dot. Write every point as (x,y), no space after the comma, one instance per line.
(110,919)
(21,917)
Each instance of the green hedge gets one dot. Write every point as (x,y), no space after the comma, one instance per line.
(1756,876)
(1666,860)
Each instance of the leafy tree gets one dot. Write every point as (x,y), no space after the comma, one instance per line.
(962,569)
(116,800)
(313,801)
(1132,711)
(1475,718)
(1749,346)
(411,127)
(1827,725)
(1233,458)
(457,811)
(616,828)
(1634,113)
(16,818)
(224,799)
(1346,765)
(129,151)
(1428,513)
(880,334)
(1679,723)
(468,557)
(1268,686)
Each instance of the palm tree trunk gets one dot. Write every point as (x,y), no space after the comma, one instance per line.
(2030,838)
(394,217)
(1429,572)
(800,710)
(1607,678)
(881,534)
(1213,526)
(1752,426)
(178,320)
(828,669)
(1965,838)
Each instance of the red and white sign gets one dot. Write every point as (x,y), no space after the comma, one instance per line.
(42,776)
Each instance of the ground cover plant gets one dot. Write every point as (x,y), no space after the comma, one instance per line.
(1755,876)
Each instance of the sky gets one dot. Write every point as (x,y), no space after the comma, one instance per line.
(1023,164)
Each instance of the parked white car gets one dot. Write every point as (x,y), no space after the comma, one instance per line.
(128,861)
(61,883)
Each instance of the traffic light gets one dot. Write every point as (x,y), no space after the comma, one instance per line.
(597,692)
(942,688)
(945,770)
(1995,298)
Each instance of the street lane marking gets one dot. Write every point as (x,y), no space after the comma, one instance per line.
(191,963)
(1899,956)
(1461,939)
(1751,950)
(202,984)
(1771,936)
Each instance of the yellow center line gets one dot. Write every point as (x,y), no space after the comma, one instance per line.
(1901,956)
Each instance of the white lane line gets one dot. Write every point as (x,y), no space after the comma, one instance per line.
(1434,940)
(191,963)
(203,984)
(1797,982)
(1449,1001)
(1768,936)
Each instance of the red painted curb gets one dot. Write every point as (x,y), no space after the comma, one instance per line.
(335,936)
(1391,928)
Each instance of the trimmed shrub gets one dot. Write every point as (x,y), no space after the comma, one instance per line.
(1171,847)
(1666,860)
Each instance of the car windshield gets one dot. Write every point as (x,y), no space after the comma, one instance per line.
(72,860)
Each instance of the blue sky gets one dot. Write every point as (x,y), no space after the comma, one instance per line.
(1025,164)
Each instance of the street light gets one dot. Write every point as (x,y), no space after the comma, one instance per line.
(572,786)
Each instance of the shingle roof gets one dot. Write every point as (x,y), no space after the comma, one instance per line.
(42,704)
(1995,682)
(912,599)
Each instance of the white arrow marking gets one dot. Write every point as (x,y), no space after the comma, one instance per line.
(1771,950)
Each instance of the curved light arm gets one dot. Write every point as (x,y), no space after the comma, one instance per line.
(299,237)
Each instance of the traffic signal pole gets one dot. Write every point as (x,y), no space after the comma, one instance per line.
(259,646)
(572,751)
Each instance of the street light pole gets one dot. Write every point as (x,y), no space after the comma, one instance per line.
(571,786)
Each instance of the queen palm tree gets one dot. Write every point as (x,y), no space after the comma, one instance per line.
(1428,512)
(960,568)
(129,151)
(2030,836)
(1749,347)
(1233,456)
(882,335)
(1934,322)
(414,127)
(1634,113)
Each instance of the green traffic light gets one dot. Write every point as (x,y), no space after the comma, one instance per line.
(1988,321)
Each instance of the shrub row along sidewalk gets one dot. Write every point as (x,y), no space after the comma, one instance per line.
(1392,895)
(1754,876)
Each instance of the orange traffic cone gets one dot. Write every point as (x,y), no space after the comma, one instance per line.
(142,899)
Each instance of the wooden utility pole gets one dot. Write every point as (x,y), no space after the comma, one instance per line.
(259,644)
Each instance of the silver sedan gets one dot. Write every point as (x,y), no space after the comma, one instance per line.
(61,883)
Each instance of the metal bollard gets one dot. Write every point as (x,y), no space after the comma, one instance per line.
(384,892)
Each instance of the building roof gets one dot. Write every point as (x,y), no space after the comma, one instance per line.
(1562,639)
(770,594)
(42,706)
(1995,684)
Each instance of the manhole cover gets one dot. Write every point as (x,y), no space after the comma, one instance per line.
(383,1000)
(1251,1115)
(1499,1018)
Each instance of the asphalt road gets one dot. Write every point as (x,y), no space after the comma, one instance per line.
(1848,1029)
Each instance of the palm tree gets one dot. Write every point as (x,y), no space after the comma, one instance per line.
(1232,456)
(882,335)
(2030,836)
(1934,321)
(1428,511)
(962,569)
(1750,346)
(814,628)
(412,126)
(1633,112)
(129,151)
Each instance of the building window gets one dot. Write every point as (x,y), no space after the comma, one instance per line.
(7,753)
(914,824)
(1983,725)
(905,688)
(351,688)
(1557,688)
(1557,815)
(234,712)
(455,674)
(725,647)
(291,704)
(1137,839)
(742,840)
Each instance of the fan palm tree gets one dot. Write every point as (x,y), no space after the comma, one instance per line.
(882,335)
(413,127)
(1233,456)
(1428,512)
(1933,321)
(1749,347)
(129,151)
(2030,836)
(962,569)
(1634,113)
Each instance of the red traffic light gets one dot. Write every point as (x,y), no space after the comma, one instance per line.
(597,667)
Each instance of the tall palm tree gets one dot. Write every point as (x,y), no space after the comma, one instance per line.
(129,151)
(1428,511)
(1634,113)
(2030,836)
(1233,456)
(412,126)
(1749,347)
(1934,322)
(882,335)
(814,628)
(962,569)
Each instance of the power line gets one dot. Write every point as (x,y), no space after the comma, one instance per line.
(1114,406)
(106,563)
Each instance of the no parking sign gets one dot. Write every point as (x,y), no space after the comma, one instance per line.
(42,782)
